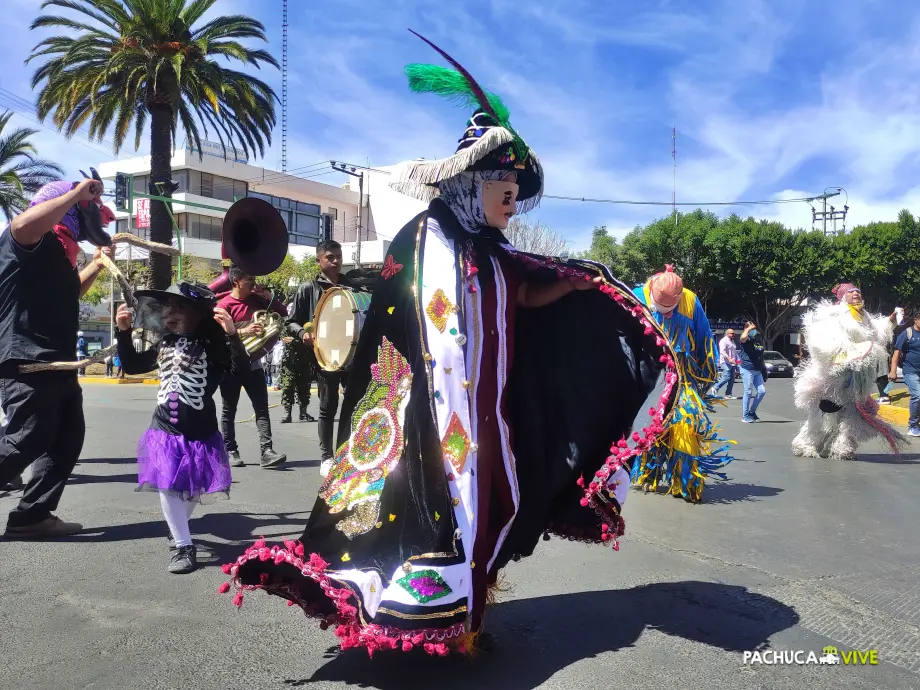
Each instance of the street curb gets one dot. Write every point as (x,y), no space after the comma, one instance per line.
(893,414)
(109,382)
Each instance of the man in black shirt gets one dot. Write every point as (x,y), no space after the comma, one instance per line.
(40,290)
(329,257)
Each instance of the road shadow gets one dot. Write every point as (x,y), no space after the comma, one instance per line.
(889,458)
(235,528)
(103,478)
(109,461)
(537,638)
(736,492)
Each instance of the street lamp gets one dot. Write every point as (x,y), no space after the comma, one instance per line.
(351,170)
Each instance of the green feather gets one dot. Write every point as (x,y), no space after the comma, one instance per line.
(449,83)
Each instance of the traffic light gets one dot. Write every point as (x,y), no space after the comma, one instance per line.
(121,191)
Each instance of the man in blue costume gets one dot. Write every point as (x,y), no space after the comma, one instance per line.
(683,458)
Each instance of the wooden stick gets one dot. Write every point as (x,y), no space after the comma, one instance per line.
(128,238)
(126,290)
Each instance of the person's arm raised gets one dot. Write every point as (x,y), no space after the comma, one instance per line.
(33,223)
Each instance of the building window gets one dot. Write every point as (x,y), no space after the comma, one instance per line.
(141,183)
(194,182)
(240,189)
(207,185)
(334,212)
(198,227)
(181,177)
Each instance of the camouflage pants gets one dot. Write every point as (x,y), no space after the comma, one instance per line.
(297,373)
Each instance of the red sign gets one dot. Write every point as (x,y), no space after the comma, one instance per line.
(142,209)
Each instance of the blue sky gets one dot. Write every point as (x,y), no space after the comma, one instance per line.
(771,99)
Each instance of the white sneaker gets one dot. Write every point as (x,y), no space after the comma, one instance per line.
(325,468)
(913,431)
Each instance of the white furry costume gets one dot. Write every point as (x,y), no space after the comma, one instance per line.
(836,381)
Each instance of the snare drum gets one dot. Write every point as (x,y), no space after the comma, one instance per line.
(337,324)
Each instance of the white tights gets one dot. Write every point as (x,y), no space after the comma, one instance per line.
(177,513)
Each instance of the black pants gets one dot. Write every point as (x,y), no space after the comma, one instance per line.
(327,385)
(257,390)
(45,429)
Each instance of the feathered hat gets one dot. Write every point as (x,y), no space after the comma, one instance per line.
(489,142)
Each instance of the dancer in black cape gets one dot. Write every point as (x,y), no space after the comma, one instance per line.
(487,388)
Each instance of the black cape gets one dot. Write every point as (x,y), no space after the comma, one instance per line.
(582,370)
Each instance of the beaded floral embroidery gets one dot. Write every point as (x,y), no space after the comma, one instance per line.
(456,443)
(362,464)
(425,585)
(439,309)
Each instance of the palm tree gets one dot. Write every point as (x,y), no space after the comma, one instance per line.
(126,60)
(21,172)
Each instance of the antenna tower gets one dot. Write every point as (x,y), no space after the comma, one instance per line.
(284,83)
(674,177)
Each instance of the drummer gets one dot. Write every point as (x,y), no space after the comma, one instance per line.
(329,258)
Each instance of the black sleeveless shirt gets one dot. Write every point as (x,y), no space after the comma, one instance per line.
(39,303)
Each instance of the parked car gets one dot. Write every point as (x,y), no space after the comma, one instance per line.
(777,365)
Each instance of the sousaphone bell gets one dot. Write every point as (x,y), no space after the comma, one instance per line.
(255,239)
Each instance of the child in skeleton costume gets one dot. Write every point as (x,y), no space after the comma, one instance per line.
(182,454)
(846,348)
(487,388)
(684,457)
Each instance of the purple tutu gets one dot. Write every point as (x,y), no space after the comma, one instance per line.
(187,469)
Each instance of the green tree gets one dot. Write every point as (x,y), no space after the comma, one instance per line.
(196,269)
(689,242)
(126,61)
(22,172)
(604,249)
(769,272)
(290,274)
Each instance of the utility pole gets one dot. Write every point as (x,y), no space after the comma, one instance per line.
(284,83)
(351,170)
(833,215)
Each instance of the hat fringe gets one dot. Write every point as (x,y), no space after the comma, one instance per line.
(419,179)
(418,176)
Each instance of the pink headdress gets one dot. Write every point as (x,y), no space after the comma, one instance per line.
(666,288)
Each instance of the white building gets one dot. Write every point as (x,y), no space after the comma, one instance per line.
(211,180)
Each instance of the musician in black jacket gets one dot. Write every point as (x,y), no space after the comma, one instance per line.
(329,257)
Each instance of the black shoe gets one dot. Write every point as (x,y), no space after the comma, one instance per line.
(236,460)
(304,417)
(286,419)
(270,458)
(184,560)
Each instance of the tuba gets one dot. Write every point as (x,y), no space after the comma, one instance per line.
(255,238)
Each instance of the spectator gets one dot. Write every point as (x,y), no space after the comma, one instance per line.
(752,372)
(109,366)
(907,354)
(116,361)
(82,351)
(728,364)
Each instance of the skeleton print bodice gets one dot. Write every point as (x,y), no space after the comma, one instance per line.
(189,376)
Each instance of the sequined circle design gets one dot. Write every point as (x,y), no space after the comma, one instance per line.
(456,443)
(439,309)
(375,446)
(425,585)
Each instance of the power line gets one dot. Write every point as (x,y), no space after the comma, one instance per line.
(630,202)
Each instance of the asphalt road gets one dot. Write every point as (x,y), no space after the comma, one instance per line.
(789,554)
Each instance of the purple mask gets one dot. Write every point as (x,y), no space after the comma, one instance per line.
(53,190)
